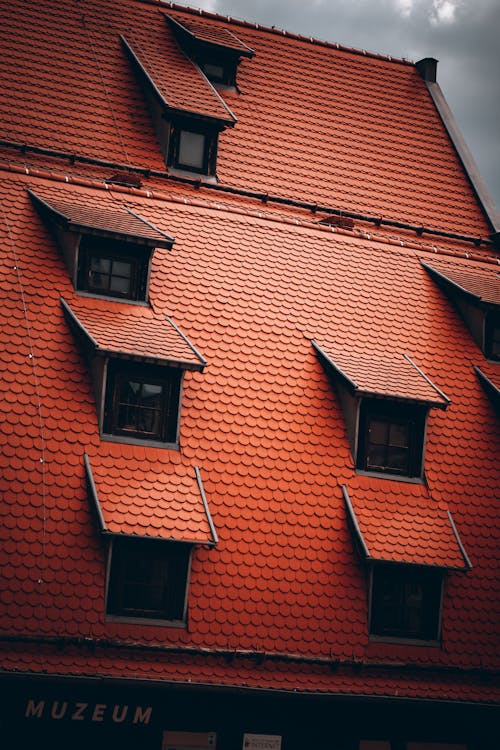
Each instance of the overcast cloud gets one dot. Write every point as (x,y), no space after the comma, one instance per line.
(462,34)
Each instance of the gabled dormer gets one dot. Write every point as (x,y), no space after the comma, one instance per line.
(216,50)
(475,292)
(137,361)
(385,404)
(108,251)
(151,527)
(187,112)
(409,543)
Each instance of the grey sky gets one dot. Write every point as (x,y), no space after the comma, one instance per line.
(462,34)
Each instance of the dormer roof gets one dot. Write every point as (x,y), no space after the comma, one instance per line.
(131,332)
(411,529)
(181,88)
(162,500)
(480,285)
(71,213)
(382,377)
(209,37)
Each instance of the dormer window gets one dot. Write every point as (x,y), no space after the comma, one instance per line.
(385,405)
(147,579)
(192,148)
(187,112)
(137,360)
(390,438)
(474,290)
(407,541)
(107,250)
(405,602)
(151,527)
(112,268)
(215,49)
(142,401)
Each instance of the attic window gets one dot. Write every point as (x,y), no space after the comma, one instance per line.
(385,404)
(147,580)
(390,438)
(112,268)
(142,401)
(217,72)
(405,602)
(192,148)
(475,292)
(216,50)
(107,247)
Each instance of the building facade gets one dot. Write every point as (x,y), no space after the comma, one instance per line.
(250,391)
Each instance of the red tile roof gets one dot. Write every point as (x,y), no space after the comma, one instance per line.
(132,331)
(213,35)
(389,378)
(388,153)
(411,529)
(481,283)
(250,284)
(118,220)
(180,85)
(163,500)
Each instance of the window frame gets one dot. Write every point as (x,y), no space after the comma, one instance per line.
(400,577)
(228,65)
(412,416)
(169,378)
(172,560)
(209,151)
(94,246)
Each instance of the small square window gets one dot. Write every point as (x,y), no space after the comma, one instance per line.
(142,401)
(406,602)
(215,72)
(148,579)
(112,268)
(192,148)
(390,438)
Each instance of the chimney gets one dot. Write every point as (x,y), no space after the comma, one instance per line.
(427,68)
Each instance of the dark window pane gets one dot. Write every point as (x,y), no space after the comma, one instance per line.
(376,457)
(386,439)
(378,431)
(191,149)
(214,72)
(399,434)
(148,579)
(103,265)
(142,401)
(112,267)
(397,458)
(405,602)
(140,406)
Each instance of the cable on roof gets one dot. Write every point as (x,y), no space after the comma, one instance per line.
(103,82)
(31,355)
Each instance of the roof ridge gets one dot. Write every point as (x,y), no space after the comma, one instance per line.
(274,30)
(360,234)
